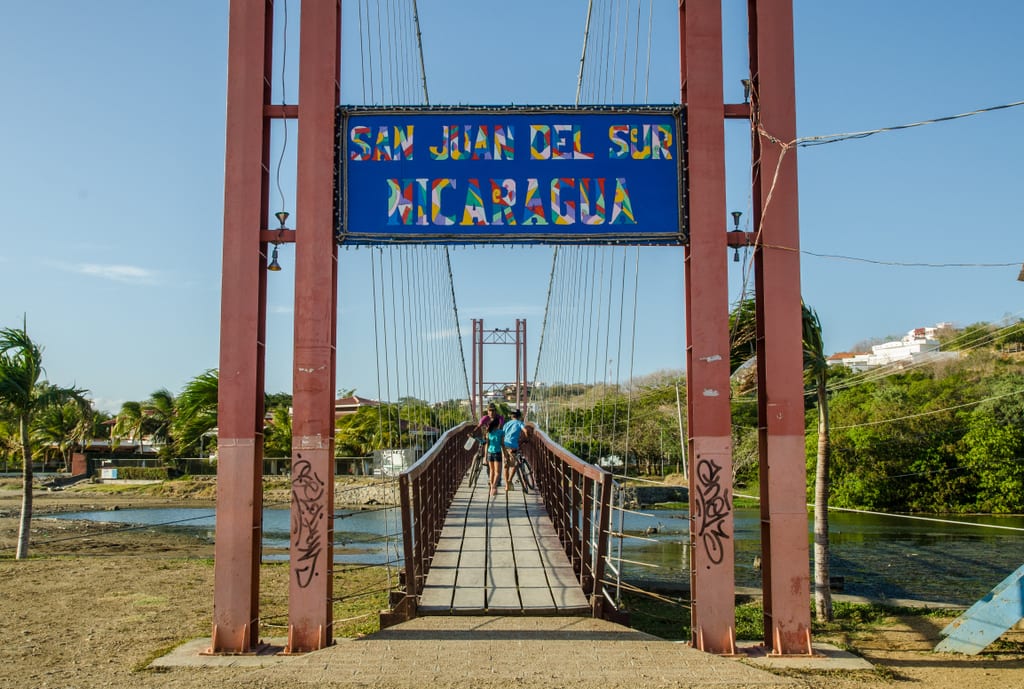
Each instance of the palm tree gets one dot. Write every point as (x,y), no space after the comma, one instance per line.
(743,346)
(21,367)
(195,412)
(816,374)
(158,416)
(277,433)
(64,427)
(129,422)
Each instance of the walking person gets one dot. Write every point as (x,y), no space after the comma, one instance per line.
(513,429)
(495,439)
(481,430)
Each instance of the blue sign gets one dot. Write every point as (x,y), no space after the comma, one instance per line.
(510,175)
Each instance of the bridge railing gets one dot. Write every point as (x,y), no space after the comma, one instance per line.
(426,490)
(577,496)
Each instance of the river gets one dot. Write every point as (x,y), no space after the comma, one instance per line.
(879,556)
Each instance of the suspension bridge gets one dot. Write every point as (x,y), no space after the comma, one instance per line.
(393,178)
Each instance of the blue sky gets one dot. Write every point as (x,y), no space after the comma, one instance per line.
(113,149)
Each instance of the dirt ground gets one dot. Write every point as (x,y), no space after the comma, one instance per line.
(92,608)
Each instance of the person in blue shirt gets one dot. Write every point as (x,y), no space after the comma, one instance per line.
(495,438)
(513,430)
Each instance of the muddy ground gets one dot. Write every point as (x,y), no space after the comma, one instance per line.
(92,608)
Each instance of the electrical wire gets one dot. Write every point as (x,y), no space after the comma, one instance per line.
(835,138)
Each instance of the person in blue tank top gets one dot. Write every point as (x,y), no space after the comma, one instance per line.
(513,429)
(495,439)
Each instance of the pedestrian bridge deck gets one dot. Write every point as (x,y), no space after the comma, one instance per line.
(499,555)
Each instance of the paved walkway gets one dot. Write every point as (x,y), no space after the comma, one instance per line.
(499,555)
(463,652)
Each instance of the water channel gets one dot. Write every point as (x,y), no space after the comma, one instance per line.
(879,556)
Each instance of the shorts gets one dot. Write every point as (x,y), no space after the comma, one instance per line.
(510,457)
(493,457)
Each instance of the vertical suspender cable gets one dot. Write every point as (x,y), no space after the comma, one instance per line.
(362,51)
(423,69)
(376,352)
(543,333)
(455,310)
(650,33)
(636,49)
(618,356)
(583,57)
(380,56)
(394,337)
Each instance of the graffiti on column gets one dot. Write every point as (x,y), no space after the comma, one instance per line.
(711,509)
(307,513)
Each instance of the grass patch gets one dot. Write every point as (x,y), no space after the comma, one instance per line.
(359,596)
(670,618)
(666,620)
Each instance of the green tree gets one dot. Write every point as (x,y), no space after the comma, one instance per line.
(63,427)
(129,423)
(742,347)
(26,395)
(195,413)
(816,371)
(277,433)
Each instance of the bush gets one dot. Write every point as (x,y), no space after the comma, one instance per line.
(142,473)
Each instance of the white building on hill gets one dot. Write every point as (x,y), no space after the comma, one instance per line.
(917,346)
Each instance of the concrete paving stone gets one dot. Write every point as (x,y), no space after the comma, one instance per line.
(501,576)
(528,558)
(473,558)
(474,542)
(448,544)
(500,543)
(537,600)
(441,576)
(561,575)
(468,599)
(445,559)
(435,598)
(471,577)
(501,558)
(569,599)
(503,599)
(532,576)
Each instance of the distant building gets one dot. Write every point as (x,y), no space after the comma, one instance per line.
(350,405)
(917,346)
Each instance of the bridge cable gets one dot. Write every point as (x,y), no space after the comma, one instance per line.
(583,57)
(419,44)
(363,51)
(458,329)
(650,34)
(544,327)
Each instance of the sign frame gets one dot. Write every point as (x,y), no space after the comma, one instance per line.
(356,149)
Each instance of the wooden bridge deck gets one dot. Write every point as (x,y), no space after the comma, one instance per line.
(499,556)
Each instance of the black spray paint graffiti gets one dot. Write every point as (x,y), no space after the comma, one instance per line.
(711,509)
(307,513)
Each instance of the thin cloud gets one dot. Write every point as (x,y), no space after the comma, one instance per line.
(282,309)
(520,310)
(116,273)
(441,334)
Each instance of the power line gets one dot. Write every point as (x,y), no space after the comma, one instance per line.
(834,138)
(928,413)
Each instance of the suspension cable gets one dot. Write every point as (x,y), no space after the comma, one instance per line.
(583,57)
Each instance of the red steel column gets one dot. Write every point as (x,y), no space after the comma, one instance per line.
(707,331)
(310,621)
(524,383)
(242,328)
(784,525)
(477,401)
